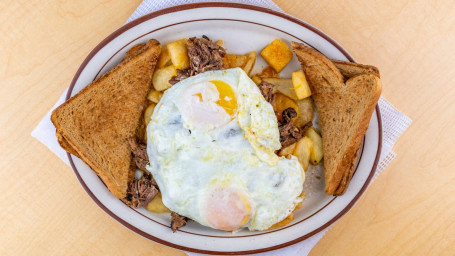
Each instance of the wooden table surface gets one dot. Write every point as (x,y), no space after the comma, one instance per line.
(408,210)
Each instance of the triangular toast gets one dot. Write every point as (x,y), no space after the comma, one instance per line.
(344,111)
(97,122)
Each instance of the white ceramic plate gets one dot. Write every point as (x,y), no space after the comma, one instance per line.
(243,28)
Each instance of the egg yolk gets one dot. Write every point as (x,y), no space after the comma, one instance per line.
(227,209)
(227,96)
(208,104)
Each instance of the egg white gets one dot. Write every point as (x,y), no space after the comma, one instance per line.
(187,160)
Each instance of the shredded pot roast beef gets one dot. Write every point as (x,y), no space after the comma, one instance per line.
(139,151)
(140,192)
(267,91)
(204,55)
(181,74)
(177,221)
(289,133)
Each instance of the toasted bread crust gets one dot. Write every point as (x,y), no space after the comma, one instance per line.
(64,144)
(344,113)
(350,69)
(97,121)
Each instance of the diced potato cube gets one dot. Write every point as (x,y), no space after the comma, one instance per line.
(277,54)
(256,79)
(161,77)
(234,61)
(220,43)
(283,86)
(306,111)
(148,113)
(156,205)
(164,59)
(179,54)
(283,102)
(251,60)
(303,151)
(287,150)
(301,87)
(317,153)
(154,96)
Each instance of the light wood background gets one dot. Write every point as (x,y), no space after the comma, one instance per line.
(408,210)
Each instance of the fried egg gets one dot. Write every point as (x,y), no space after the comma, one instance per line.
(211,143)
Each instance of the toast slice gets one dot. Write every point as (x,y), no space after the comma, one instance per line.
(141,130)
(97,122)
(350,69)
(345,109)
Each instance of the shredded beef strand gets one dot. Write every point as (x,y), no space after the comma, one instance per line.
(141,192)
(204,55)
(267,91)
(289,133)
(177,221)
(181,74)
(288,114)
(139,151)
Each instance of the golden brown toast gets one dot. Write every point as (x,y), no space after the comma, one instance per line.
(344,108)
(96,122)
(350,69)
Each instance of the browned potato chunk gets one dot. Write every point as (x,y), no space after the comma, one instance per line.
(303,151)
(234,61)
(316,153)
(301,87)
(256,79)
(306,112)
(148,113)
(283,102)
(220,43)
(156,205)
(164,59)
(268,72)
(282,85)
(277,54)
(287,150)
(250,61)
(161,77)
(154,96)
(179,54)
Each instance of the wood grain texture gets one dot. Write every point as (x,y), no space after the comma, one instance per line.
(408,210)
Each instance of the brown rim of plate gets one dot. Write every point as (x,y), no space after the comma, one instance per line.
(238,6)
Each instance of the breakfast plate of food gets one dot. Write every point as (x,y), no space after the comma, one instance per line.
(222,128)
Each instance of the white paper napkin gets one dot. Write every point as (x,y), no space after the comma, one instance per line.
(394,123)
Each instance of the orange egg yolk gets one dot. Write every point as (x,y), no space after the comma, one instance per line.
(227,96)
(227,209)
